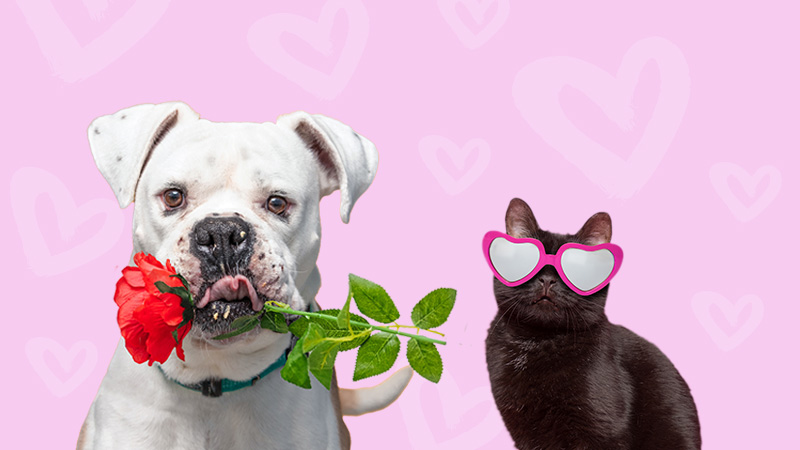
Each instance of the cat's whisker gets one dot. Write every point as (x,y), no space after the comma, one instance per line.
(515,309)
(515,301)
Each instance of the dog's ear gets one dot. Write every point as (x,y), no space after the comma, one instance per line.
(348,161)
(122,142)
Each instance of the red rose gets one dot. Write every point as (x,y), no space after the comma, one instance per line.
(151,321)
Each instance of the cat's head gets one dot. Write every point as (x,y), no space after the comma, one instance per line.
(545,301)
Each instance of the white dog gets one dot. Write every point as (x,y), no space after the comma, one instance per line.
(235,207)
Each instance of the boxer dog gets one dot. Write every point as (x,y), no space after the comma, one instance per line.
(235,207)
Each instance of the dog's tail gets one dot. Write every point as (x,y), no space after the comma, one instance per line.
(366,400)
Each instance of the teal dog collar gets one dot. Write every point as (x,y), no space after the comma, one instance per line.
(215,387)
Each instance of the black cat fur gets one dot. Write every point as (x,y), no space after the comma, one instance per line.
(563,377)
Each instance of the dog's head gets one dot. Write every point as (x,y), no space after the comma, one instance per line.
(235,207)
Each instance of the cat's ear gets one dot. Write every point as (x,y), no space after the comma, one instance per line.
(519,219)
(596,230)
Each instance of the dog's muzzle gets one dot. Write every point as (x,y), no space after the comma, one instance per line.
(224,247)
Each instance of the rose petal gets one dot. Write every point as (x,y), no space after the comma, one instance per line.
(173,315)
(125,293)
(182,332)
(160,346)
(147,262)
(160,275)
(135,341)
(134,276)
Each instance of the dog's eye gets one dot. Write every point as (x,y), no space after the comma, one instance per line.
(173,198)
(277,205)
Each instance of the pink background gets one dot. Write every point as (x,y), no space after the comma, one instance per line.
(679,120)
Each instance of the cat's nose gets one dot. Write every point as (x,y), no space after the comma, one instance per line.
(547,282)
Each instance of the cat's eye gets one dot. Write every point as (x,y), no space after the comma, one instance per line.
(173,198)
(277,205)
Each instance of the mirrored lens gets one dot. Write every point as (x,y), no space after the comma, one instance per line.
(513,260)
(587,269)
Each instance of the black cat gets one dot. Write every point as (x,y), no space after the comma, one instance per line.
(563,377)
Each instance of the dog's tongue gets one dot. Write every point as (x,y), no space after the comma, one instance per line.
(231,289)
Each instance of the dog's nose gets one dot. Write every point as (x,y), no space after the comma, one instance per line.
(223,242)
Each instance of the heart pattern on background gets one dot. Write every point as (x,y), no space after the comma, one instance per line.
(454,405)
(264,40)
(702,304)
(536,94)
(722,172)
(38,347)
(27,185)
(430,146)
(73,62)
(96,8)
(477,10)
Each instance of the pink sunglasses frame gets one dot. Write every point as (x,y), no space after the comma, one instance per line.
(553,260)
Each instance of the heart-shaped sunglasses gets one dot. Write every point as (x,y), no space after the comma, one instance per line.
(584,268)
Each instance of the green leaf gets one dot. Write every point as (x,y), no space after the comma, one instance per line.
(183,280)
(320,362)
(314,335)
(243,321)
(299,326)
(295,370)
(274,321)
(188,311)
(372,300)
(181,292)
(377,355)
(183,323)
(434,309)
(343,319)
(243,329)
(425,359)
(332,330)
(175,331)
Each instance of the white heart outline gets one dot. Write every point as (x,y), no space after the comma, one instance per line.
(264,35)
(35,349)
(701,305)
(721,172)
(428,147)
(420,433)
(73,62)
(27,184)
(477,10)
(536,94)
(96,8)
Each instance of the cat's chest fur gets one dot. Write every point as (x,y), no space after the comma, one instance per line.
(562,387)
